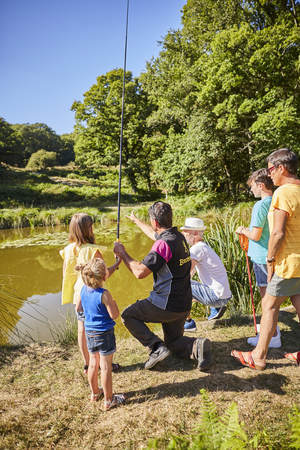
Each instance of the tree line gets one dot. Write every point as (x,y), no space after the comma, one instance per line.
(221,95)
(22,144)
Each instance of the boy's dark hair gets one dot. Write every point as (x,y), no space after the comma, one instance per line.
(285,157)
(162,212)
(261,176)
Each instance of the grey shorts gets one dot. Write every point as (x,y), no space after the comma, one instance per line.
(282,287)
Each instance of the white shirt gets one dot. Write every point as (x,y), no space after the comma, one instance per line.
(210,269)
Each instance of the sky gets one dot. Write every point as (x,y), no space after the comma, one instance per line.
(51,52)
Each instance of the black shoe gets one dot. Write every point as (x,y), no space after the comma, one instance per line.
(158,355)
(203,353)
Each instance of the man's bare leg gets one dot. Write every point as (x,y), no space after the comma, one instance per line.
(268,323)
(296,303)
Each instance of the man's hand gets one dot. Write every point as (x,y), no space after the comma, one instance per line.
(270,267)
(119,249)
(132,217)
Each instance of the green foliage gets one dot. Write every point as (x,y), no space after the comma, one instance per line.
(294,419)
(37,136)
(224,89)
(98,120)
(226,431)
(41,160)
(9,144)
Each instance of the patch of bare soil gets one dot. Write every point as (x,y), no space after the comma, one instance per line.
(70,181)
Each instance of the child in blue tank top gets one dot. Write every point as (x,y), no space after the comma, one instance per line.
(100,310)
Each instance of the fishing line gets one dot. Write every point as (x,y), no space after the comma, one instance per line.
(122,124)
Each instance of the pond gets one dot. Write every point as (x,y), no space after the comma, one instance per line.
(31,269)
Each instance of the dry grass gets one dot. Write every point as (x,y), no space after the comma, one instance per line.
(45,397)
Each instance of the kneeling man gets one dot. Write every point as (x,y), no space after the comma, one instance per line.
(169,302)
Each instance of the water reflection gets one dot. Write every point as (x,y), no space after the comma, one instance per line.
(34,272)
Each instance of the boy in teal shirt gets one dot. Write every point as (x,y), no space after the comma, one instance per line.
(258,234)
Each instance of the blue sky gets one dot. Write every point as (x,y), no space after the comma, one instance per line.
(52,51)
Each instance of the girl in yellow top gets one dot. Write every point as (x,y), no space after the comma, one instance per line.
(82,248)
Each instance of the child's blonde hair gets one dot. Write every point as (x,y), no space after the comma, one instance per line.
(93,272)
(81,229)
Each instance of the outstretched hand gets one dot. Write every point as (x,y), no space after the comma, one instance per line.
(132,217)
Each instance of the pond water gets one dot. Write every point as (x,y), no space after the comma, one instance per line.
(31,269)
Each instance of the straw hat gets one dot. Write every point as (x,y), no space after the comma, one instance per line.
(193,223)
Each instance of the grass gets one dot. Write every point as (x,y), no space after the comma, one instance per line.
(45,396)
(52,196)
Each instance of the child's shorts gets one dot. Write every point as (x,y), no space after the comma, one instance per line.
(80,315)
(103,343)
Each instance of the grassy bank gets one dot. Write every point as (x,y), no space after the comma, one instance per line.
(51,197)
(45,396)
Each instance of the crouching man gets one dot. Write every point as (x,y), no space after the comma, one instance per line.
(169,303)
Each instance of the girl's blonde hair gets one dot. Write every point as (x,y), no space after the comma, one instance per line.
(93,272)
(81,229)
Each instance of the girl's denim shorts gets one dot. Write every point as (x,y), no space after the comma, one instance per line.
(101,342)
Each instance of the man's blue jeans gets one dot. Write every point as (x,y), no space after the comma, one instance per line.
(205,295)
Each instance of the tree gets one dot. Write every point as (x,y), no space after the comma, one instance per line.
(226,89)
(98,120)
(41,160)
(10,144)
(66,154)
(37,136)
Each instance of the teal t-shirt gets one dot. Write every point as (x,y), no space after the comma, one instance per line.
(257,251)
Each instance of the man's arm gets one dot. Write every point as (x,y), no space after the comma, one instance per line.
(276,237)
(254,234)
(138,269)
(193,266)
(147,229)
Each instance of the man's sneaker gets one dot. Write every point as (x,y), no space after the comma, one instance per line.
(190,325)
(275,342)
(203,353)
(158,355)
(216,313)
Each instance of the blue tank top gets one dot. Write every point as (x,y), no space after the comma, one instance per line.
(96,314)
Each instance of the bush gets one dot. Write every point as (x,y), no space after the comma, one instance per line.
(41,160)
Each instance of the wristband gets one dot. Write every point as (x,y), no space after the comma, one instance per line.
(271,260)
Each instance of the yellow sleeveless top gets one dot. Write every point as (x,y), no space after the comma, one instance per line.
(72,281)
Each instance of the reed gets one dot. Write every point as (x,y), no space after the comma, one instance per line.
(223,239)
(65,334)
(10,304)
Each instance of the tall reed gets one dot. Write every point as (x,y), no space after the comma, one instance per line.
(223,239)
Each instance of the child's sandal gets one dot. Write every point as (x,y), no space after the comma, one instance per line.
(117,400)
(96,397)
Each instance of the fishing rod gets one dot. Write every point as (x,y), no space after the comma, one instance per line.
(122,125)
(244,243)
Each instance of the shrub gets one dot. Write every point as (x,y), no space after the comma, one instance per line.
(41,160)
